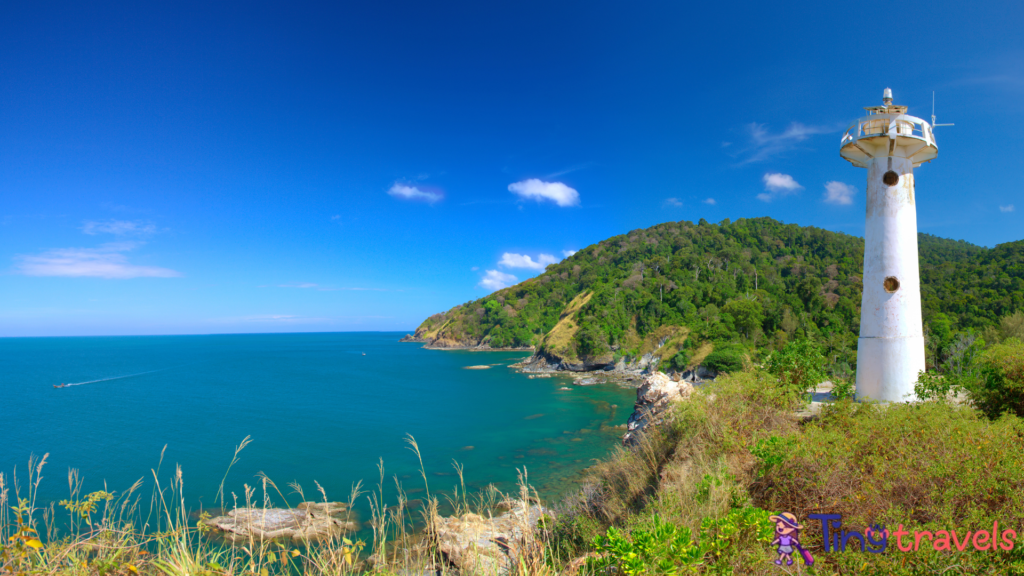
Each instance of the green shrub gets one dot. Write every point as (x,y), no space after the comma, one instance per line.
(844,388)
(681,360)
(994,382)
(738,537)
(936,386)
(999,386)
(772,451)
(799,366)
(665,549)
(727,360)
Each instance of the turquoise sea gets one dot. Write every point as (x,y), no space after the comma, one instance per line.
(318,407)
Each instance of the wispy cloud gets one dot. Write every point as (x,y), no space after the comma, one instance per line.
(777,186)
(534,189)
(569,169)
(356,289)
(319,288)
(293,319)
(839,193)
(271,319)
(1003,70)
(1007,208)
(765,145)
(510,260)
(496,280)
(416,194)
(710,201)
(567,253)
(673,202)
(119,228)
(107,261)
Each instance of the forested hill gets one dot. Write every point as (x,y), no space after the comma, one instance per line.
(679,290)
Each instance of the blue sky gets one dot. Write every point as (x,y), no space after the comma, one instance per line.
(258,167)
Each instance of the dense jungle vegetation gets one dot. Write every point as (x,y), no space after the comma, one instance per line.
(746,287)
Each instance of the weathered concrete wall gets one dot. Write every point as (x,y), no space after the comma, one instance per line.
(891,347)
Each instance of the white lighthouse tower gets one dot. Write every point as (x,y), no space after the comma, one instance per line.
(890,352)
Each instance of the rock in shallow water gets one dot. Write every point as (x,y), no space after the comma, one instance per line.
(478,545)
(309,522)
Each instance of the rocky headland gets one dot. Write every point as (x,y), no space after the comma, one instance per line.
(653,399)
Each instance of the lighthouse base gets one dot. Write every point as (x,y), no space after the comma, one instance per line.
(888,367)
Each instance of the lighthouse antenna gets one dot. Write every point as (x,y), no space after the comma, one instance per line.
(933,113)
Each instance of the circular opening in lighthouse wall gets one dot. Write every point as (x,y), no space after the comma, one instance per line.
(891,284)
(891,178)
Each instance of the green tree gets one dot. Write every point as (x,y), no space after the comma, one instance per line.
(747,315)
(941,327)
(590,341)
(799,366)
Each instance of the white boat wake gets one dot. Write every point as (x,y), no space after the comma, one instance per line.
(112,378)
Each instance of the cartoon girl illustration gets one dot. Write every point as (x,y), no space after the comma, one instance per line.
(787,537)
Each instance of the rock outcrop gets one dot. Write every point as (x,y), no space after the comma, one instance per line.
(477,545)
(698,374)
(652,400)
(309,522)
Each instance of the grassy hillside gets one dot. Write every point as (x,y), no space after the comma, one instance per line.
(744,288)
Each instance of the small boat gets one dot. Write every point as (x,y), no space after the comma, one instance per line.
(364,353)
(56,386)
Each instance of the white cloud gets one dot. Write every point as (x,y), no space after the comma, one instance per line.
(496,280)
(776,182)
(764,145)
(839,193)
(510,260)
(567,253)
(676,202)
(107,261)
(475,268)
(118,228)
(413,193)
(777,186)
(1007,208)
(710,201)
(534,189)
